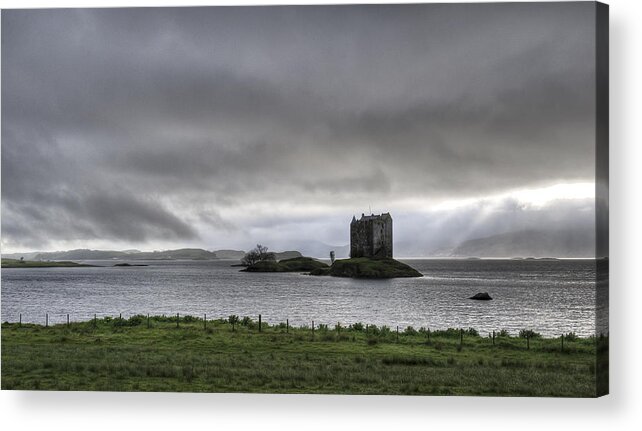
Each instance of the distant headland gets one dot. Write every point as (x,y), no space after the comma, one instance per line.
(178,254)
(21,263)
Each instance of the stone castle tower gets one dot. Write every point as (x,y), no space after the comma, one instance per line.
(371,236)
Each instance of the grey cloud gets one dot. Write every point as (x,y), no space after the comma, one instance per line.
(69,216)
(162,116)
(214,219)
(46,195)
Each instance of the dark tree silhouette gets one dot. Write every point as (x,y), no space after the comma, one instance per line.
(257,254)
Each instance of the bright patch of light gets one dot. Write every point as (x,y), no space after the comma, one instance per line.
(539,197)
(529,197)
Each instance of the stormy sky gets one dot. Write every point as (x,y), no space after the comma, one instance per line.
(222,127)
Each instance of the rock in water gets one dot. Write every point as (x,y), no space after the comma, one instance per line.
(482,296)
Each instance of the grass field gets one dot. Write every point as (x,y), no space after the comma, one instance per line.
(128,355)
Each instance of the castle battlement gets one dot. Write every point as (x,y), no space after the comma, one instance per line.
(371,236)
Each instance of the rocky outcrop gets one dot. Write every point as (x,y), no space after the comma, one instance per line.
(363,267)
(297,264)
(482,296)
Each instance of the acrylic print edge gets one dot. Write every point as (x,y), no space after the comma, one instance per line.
(602,198)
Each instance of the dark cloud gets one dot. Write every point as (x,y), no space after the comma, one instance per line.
(94,214)
(198,124)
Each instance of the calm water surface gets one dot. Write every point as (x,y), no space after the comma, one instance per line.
(551,297)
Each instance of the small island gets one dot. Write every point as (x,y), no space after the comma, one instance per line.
(260,259)
(371,251)
(364,267)
(19,263)
(296,264)
(361,267)
(370,255)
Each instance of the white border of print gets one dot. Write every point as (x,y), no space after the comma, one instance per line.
(99,411)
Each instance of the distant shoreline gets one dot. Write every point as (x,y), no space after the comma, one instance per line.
(15,263)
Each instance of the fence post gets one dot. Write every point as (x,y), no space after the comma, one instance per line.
(205,321)
(313,328)
(397,334)
(177,320)
(461,337)
(95,320)
(562,342)
(259,323)
(20,324)
(528,342)
(120,316)
(493,338)
(287,326)
(338,328)
(147,320)
(67,320)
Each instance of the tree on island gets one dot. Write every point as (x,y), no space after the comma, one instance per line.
(258,254)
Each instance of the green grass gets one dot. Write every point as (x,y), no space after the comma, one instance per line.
(15,263)
(126,355)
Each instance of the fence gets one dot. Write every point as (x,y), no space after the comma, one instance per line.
(234,320)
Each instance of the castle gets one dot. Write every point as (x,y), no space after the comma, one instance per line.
(371,236)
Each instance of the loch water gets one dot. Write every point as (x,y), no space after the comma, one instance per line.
(549,296)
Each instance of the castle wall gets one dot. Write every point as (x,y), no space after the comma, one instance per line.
(388,238)
(371,236)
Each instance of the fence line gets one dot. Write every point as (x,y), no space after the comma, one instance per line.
(233,320)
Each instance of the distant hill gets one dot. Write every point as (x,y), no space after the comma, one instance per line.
(530,243)
(15,263)
(317,249)
(84,254)
(230,254)
(183,253)
(287,255)
(179,254)
(525,243)
(28,256)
